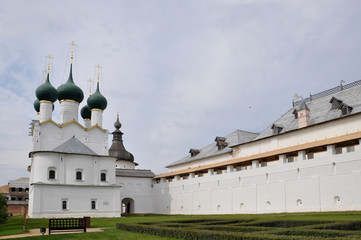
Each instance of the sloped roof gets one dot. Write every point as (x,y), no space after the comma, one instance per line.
(4,189)
(73,145)
(234,138)
(320,108)
(142,173)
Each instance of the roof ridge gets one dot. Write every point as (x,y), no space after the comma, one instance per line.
(328,92)
(74,145)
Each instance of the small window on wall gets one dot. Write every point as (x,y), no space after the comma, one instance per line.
(93,204)
(79,174)
(51,173)
(103,176)
(64,204)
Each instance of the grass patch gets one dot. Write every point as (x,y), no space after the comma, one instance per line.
(336,225)
(107,234)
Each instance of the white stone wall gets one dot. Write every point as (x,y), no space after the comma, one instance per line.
(46,195)
(329,183)
(138,189)
(124,164)
(48,203)
(48,136)
(65,166)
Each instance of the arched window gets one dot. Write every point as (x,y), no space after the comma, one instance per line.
(51,173)
(103,176)
(64,204)
(79,174)
(93,204)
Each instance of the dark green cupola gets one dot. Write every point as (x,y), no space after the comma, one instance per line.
(97,100)
(46,91)
(85,112)
(37,105)
(70,91)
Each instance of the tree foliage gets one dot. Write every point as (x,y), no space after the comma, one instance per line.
(3,209)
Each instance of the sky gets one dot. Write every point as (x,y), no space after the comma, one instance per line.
(180,72)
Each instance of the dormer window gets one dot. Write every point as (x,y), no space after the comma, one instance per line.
(194,152)
(221,142)
(335,103)
(345,110)
(276,128)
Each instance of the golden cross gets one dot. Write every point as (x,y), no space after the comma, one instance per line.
(118,110)
(90,86)
(99,67)
(72,43)
(49,57)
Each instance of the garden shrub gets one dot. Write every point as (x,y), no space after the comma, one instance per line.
(3,209)
(350,225)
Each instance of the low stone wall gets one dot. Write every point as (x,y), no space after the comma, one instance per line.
(16,210)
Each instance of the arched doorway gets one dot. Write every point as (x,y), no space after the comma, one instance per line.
(127,205)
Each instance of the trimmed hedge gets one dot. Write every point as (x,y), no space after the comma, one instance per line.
(256,230)
(285,224)
(192,234)
(350,226)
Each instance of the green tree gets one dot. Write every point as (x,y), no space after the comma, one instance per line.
(3,209)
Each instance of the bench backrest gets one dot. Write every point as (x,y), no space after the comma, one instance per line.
(67,223)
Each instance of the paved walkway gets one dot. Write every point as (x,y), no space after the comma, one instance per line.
(36,232)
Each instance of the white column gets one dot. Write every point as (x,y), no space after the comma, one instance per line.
(87,123)
(230,168)
(97,117)
(68,111)
(177,177)
(282,158)
(46,110)
(255,164)
(331,150)
(191,175)
(301,155)
(210,172)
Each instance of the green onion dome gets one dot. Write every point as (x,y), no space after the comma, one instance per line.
(70,91)
(37,105)
(46,91)
(85,112)
(97,100)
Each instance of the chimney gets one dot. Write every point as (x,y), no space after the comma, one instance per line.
(194,152)
(303,115)
(221,142)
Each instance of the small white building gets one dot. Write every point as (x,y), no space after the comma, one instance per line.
(307,160)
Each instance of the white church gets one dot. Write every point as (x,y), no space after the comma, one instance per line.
(307,160)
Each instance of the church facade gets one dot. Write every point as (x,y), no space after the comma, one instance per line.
(307,160)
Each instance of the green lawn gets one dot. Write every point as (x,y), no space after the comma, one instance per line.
(15,224)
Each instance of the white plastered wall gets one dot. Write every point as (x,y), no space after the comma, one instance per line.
(138,189)
(48,136)
(328,183)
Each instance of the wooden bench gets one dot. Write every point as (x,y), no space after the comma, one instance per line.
(67,224)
